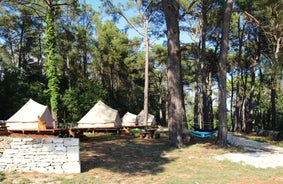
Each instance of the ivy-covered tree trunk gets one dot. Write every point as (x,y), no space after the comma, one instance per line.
(176,117)
(52,72)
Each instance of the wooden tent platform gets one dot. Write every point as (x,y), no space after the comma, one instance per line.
(78,132)
(4,131)
(64,132)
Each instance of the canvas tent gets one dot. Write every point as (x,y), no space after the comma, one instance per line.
(26,118)
(100,116)
(129,119)
(150,119)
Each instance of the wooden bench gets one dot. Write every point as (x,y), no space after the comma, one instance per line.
(41,124)
(75,133)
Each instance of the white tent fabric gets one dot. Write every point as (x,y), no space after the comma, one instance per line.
(26,118)
(150,119)
(100,116)
(129,119)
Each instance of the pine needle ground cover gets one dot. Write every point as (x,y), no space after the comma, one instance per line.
(109,158)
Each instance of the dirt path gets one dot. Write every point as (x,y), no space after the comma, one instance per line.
(252,145)
(260,155)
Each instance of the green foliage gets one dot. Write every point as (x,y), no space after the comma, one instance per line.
(120,65)
(137,131)
(16,88)
(51,63)
(281,144)
(71,104)
(76,102)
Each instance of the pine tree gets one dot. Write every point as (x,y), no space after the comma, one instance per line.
(176,110)
(222,133)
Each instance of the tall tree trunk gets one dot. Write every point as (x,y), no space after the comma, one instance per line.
(160,99)
(40,54)
(244,101)
(277,43)
(209,97)
(68,70)
(160,107)
(238,125)
(177,123)
(238,112)
(257,115)
(272,101)
(261,121)
(85,51)
(207,122)
(111,81)
(146,47)
(197,114)
(250,117)
(222,128)
(231,104)
(10,43)
(20,62)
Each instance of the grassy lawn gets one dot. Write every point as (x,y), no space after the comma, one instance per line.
(129,159)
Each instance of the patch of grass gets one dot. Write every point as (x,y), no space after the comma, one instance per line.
(101,135)
(15,174)
(25,181)
(259,140)
(56,178)
(83,179)
(137,131)
(2,176)
(176,180)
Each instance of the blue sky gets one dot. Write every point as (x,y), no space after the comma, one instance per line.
(184,36)
(122,23)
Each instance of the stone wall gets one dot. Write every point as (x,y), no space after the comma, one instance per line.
(45,155)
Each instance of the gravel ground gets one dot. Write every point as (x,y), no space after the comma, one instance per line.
(261,155)
(257,159)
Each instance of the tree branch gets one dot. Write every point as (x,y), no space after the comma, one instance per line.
(257,22)
(188,9)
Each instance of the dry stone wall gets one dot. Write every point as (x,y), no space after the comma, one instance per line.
(45,155)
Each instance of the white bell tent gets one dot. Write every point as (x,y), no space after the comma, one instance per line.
(129,119)
(100,116)
(150,119)
(26,118)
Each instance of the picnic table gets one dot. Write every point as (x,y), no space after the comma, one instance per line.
(150,133)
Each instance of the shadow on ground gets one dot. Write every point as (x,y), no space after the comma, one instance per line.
(206,142)
(125,154)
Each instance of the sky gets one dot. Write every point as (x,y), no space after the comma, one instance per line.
(122,23)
